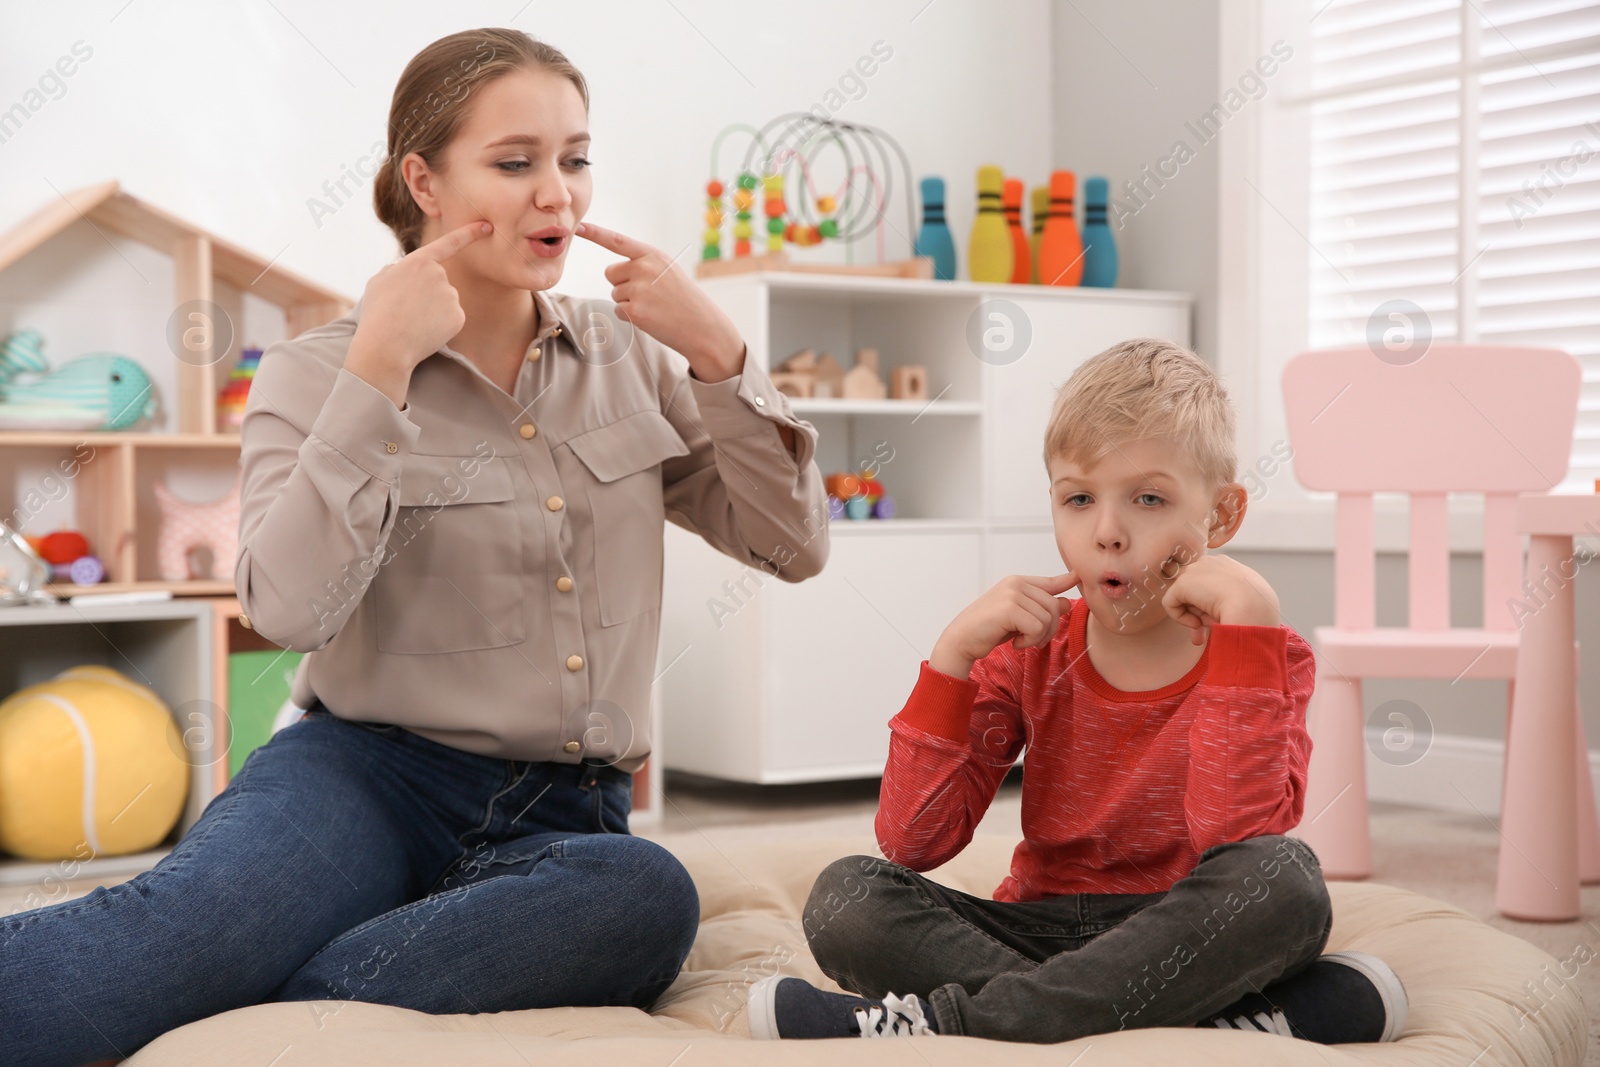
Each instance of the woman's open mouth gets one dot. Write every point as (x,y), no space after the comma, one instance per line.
(547,247)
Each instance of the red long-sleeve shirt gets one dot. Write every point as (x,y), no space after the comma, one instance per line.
(1121,791)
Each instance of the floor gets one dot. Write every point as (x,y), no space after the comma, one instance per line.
(1446,856)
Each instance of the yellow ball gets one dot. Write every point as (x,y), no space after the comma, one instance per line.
(742,199)
(91,763)
(713,237)
(713,218)
(741,229)
(825,204)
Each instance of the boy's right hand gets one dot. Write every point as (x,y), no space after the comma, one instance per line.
(1021,607)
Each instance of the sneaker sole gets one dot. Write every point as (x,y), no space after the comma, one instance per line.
(762,1011)
(1388,985)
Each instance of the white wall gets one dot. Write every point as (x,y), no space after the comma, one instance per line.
(235,115)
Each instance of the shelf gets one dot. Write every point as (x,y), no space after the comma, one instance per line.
(867,286)
(913,408)
(15,871)
(190,588)
(54,438)
(872,527)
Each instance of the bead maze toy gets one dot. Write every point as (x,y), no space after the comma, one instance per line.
(853,209)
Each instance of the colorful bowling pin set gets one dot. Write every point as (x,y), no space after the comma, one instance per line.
(1001,249)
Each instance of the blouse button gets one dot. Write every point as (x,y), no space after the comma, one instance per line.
(574,663)
(572,746)
(533,353)
(391,447)
(554,503)
(564,583)
(527,430)
(761,402)
(244,620)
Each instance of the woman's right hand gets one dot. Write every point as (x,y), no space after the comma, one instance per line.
(408,311)
(1023,608)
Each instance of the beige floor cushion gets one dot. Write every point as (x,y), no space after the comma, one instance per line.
(1465,979)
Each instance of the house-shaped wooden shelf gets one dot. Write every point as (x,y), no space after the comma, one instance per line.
(111,493)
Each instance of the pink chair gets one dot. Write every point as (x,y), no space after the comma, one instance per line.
(1490,419)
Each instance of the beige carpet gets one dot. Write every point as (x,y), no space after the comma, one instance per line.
(1449,857)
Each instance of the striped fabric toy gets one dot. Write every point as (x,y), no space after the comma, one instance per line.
(99,391)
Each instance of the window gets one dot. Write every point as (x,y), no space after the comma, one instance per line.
(1455,179)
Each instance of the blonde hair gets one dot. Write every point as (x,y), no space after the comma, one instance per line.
(430,104)
(1145,387)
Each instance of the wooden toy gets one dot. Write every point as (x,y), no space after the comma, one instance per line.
(231,401)
(1099,248)
(105,767)
(829,376)
(1060,247)
(863,382)
(989,252)
(186,526)
(99,391)
(1011,202)
(909,382)
(933,239)
(1041,208)
(856,207)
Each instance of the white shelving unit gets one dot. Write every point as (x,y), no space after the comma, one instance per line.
(165,645)
(765,681)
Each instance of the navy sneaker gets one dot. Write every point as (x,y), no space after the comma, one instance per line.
(782,1007)
(1341,998)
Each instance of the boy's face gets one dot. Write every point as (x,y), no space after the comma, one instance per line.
(1142,505)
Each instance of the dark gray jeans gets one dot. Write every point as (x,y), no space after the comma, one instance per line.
(1249,913)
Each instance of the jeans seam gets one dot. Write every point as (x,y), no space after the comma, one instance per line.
(969,924)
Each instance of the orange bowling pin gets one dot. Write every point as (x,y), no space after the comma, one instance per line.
(1061,247)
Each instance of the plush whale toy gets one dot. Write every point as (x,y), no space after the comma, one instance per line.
(99,391)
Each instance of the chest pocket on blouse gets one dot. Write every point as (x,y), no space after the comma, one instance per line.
(625,458)
(452,580)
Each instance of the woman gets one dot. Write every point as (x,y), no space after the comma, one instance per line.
(453,500)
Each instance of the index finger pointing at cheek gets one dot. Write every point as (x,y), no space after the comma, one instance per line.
(442,248)
(613,241)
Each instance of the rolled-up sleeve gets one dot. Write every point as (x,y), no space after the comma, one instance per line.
(321,472)
(740,488)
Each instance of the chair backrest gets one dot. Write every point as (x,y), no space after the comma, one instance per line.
(1490,419)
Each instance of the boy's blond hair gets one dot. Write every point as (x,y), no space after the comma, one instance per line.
(1144,387)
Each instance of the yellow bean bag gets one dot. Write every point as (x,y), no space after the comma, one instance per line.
(91,764)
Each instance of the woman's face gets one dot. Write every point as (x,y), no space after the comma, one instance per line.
(520,160)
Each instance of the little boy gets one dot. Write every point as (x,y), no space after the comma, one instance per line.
(1162,716)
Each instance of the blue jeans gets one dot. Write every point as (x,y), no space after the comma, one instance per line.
(352,861)
(1250,913)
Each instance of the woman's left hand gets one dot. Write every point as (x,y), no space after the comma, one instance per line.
(654,294)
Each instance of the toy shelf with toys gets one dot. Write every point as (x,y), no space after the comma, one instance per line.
(791,682)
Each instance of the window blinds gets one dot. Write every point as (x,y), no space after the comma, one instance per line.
(1455,179)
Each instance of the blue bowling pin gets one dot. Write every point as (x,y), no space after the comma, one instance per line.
(933,239)
(1100,251)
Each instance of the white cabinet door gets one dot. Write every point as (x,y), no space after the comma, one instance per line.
(845,647)
(1061,334)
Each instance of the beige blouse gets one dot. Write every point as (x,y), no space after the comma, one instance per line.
(485,569)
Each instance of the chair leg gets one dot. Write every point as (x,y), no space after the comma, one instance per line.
(1334,822)
(1588,824)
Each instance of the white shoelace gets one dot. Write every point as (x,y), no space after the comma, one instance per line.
(1276,1023)
(899,1017)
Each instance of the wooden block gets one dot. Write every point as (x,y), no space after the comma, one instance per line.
(803,360)
(909,382)
(862,383)
(793,383)
(867,357)
(831,371)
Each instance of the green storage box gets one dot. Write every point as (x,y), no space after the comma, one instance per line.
(258,685)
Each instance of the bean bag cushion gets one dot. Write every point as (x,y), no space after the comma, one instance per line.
(1465,979)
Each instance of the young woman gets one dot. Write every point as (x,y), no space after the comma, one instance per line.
(453,500)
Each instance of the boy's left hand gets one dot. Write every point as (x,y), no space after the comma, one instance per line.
(1216,590)
(654,294)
